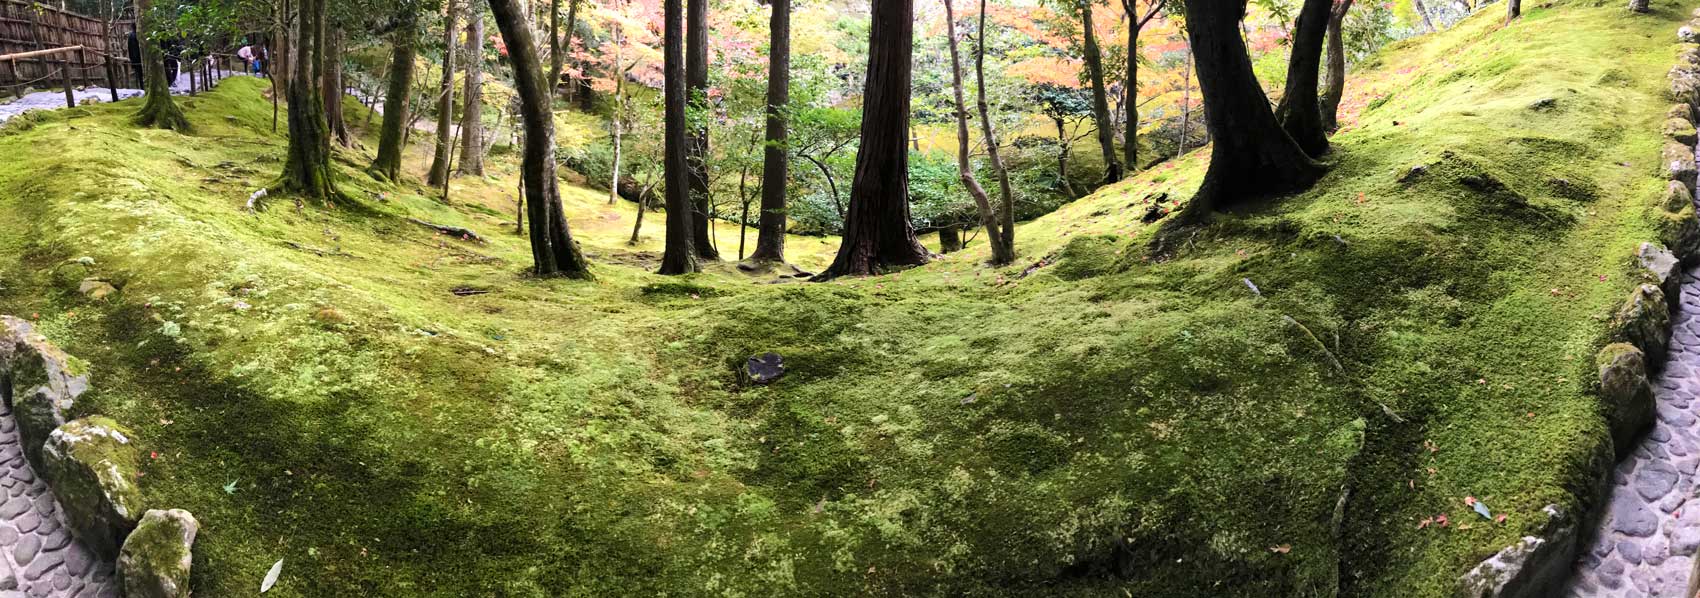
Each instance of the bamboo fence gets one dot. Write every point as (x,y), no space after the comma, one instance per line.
(27,26)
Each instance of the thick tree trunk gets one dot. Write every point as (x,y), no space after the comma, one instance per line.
(1336,86)
(964,170)
(158,110)
(950,239)
(877,232)
(390,139)
(696,143)
(307,167)
(1299,112)
(1513,9)
(1100,100)
(679,255)
(776,155)
(1007,212)
(332,87)
(472,107)
(1252,157)
(552,248)
(439,172)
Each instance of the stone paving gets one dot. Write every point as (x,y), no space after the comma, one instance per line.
(38,556)
(55,99)
(1645,543)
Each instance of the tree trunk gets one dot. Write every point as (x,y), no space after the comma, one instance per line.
(1252,156)
(387,166)
(307,167)
(1130,136)
(472,107)
(1336,87)
(1513,9)
(679,255)
(776,155)
(1422,11)
(1100,100)
(1299,112)
(567,45)
(333,89)
(439,173)
(1186,103)
(554,46)
(965,171)
(1007,223)
(877,231)
(158,110)
(1062,159)
(1638,5)
(950,239)
(617,123)
(552,248)
(696,143)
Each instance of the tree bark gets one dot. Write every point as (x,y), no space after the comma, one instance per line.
(964,170)
(554,46)
(1007,212)
(472,107)
(1100,100)
(696,144)
(1422,11)
(552,248)
(1299,112)
(158,110)
(950,239)
(1336,87)
(387,165)
(617,123)
(439,172)
(1513,9)
(877,232)
(679,255)
(333,89)
(567,45)
(307,166)
(1252,157)
(776,155)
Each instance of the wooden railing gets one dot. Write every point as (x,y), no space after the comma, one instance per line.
(28,29)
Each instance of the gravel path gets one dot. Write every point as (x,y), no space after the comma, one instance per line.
(55,99)
(38,556)
(1646,542)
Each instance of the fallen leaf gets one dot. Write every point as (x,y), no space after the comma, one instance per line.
(271,576)
(1282,549)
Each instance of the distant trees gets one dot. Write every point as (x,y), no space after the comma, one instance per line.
(1130,140)
(439,173)
(776,155)
(471,120)
(1002,253)
(877,232)
(1093,57)
(696,142)
(404,47)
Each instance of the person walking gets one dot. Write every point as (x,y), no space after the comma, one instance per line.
(247,55)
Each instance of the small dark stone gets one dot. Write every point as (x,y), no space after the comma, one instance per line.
(764,368)
(1544,104)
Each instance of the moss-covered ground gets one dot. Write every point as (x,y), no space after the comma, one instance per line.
(1083,423)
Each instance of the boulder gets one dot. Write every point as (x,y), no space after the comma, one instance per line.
(1627,397)
(1684,85)
(1662,268)
(764,368)
(1679,163)
(1682,111)
(39,382)
(155,560)
(1680,231)
(1644,321)
(1680,131)
(1536,566)
(96,289)
(92,465)
(1688,35)
(1690,55)
(1676,197)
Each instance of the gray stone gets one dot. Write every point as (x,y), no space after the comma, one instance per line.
(98,289)
(1687,35)
(45,382)
(1662,268)
(156,558)
(1644,321)
(1655,479)
(1535,566)
(1630,551)
(92,466)
(1632,518)
(1675,129)
(1627,398)
(26,549)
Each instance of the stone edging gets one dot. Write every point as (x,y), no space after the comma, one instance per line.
(1538,565)
(91,465)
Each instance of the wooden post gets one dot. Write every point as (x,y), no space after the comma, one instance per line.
(106,54)
(65,68)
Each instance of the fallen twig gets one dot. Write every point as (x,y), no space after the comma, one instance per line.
(451,230)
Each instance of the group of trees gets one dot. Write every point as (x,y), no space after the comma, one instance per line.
(602,55)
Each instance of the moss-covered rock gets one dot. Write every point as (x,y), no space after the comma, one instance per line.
(92,465)
(1682,111)
(1626,397)
(1680,130)
(1679,163)
(39,381)
(1535,566)
(1684,85)
(1676,197)
(1680,231)
(155,560)
(1644,321)
(1661,267)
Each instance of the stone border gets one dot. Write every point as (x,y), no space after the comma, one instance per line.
(1539,565)
(90,466)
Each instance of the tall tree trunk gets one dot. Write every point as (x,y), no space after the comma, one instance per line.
(307,167)
(552,248)
(696,144)
(390,139)
(1299,112)
(567,45)
(158,110)
(1252,157)
(333,88)
(964,170)
(1062,158)
(1422,11)
(472,107)
(776,154)
(1336,87)
(1513,9)
(1130,135)
(1100,100)
(439,173)
(617,123)
(679,255)
(554,46)
(1007,212)
(877,232)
